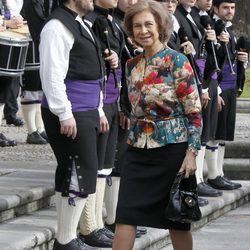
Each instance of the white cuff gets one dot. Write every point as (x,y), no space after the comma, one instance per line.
(204,90)
(219,90)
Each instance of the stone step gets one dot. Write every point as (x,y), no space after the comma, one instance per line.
(238,149)
(36,230)
(237,169)
(243,105)
(24,189)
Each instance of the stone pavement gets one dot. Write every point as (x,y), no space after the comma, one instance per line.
(27,173)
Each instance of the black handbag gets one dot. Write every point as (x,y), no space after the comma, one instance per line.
(183,205)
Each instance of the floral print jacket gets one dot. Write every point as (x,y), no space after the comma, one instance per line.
(165,101)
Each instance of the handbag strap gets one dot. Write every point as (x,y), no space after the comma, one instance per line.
(177,181)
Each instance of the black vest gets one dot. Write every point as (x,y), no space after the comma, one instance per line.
(85,60)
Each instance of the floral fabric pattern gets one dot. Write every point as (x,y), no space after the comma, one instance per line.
(165,101)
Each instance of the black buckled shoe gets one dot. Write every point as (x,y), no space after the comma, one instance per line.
(97,239)
(202,202)
(14,121)
(44,136)
(107,232)
(5,142)
(236,185)
(35,138)
(75,244)
(205,190)
(110,227)
(220,183)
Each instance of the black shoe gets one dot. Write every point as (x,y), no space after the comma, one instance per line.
(235,184)
(142,230)
(35,138)
(220,183)
(205,190)
(75,244)
(5,142)
(15,121)
(96,239)
(111,227)
(107,232)
(202,202)
(44,136)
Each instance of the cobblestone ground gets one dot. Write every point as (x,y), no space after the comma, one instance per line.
(28,152)
(23,151)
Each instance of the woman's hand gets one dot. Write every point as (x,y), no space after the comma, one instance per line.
(68,128)
(189,164)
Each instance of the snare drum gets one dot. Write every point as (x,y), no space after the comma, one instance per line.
(13,52)
(32,60)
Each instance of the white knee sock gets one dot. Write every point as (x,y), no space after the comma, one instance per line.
(88,219)
(100,189)
(211,156)
(111,198)
(1,112)
(200,165)
(221,154)
(39,120)
(67,218)
(29,115)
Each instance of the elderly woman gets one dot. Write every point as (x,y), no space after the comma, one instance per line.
(165,129)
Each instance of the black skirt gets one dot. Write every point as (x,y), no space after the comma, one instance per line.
(146,179)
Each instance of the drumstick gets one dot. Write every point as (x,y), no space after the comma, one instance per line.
(106,33)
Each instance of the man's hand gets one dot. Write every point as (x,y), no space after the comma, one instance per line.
(124,121)
(112,59)
(104,125)
(221,103)
(242,56)
(205,99)
(223,37)
(68,128)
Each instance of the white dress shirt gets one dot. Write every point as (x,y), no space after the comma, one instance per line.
(55,46)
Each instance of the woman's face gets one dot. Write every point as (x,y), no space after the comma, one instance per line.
(145,29)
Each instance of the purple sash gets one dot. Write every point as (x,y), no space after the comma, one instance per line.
(83,95)
(229,81)
(201,64)
(112,92)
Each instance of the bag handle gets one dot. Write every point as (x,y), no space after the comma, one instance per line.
(177,181)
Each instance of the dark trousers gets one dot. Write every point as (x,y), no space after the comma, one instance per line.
(11,105)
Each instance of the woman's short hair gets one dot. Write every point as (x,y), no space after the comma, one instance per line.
(162,18)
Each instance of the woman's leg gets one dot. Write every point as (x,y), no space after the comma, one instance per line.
(124,237)
(181,240)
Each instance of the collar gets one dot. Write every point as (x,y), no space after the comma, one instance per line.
(101,11)
(120,14)
(228,23)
